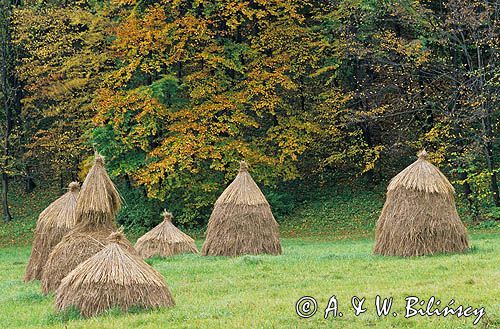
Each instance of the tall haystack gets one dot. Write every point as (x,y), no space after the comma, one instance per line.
(242,221)
(96,209)
(113,277)
(53,223)
(165,240)
(419,215)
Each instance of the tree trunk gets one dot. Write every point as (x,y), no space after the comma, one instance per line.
(128,182)
(7,92)
(5,204)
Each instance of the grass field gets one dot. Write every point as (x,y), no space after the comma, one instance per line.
(327,251)
(261,291)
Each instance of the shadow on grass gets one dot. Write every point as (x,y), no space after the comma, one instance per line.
(471,250)
(352,256)
(73,314)
(68,314)
(31,296)
(250,260)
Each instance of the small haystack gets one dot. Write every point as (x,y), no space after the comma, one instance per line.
(419,215)
(242,221)
(113,277)
(96,208)
(165,240)
(53,223)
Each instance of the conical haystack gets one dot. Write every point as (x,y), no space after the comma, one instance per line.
(419,215)
(242,221)
(113,277)
(165,240)
(53,223)
(96,208)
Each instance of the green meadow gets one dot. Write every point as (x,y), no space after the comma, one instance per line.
(261,291)
(327,243)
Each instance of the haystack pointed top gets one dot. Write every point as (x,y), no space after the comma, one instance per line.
(422,154)
(74,187)
(422,176)
(243,189)
(116,236)
(243,166)
(99,199)
(167,216)
(98,158)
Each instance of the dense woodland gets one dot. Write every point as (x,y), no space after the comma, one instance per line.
(311,93)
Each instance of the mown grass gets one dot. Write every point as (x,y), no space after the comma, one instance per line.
(327,251)
(261,291)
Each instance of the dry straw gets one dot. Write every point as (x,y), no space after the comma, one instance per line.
(242,221)
(165,240)
(113,277)
(99,201)
(419,216)
(53,223)
(96,208)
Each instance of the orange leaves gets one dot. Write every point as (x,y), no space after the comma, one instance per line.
(203,86)
(263,86)
(140,44)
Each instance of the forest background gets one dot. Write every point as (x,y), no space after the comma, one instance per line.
(319,97)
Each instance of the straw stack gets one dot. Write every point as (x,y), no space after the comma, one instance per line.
(419,216)
(242,221)
(113,277)
(53,223)
(96,208)
(165,240)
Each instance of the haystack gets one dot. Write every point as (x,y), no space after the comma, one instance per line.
(242,221)
(113,277)
(96,208)
(165,240)
(53,223)
(419,215)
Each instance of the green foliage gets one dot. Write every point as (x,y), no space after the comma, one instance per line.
(120,158)
(282,203)
(493,213)
(175,93)
(336,209)
(489,224)
(138,213)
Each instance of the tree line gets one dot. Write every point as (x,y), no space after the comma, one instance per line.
(175,92)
